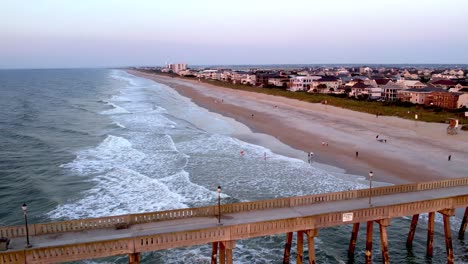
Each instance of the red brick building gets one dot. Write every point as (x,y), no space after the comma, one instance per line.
(445,100)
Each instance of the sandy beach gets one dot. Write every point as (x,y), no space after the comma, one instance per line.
(405,151)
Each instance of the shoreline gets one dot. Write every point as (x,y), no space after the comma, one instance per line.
(304,126)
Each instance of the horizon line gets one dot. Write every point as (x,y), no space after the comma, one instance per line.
(195,65)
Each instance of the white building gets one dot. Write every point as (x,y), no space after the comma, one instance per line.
(177,67)
(301,83)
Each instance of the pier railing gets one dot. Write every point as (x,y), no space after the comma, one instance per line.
(153,242)
(209,211)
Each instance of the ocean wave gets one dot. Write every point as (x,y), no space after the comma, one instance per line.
(113,152)
(115,110)
(121,191)
(121,75)
(118,124)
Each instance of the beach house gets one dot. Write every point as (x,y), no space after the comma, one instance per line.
(301,83)
(417,95)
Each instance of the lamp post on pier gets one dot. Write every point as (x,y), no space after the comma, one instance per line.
(371,174)
(25,213)
(219,205)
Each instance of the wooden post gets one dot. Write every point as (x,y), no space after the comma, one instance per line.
(222,253)
(430,234)
(414,224)
(448,233)
(369,242)
(461,233)
(300,247)
(214,253)
(134,258)
(311,245)
(384,239)
(229,245)
(448,239)
(352,242)
(287,247)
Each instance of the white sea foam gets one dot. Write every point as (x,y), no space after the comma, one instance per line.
(115,110)
(113,152)
(121,191)
(124,76)
(181,184)
(118,124)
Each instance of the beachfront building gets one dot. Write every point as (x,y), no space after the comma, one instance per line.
(243,77)
(237,76)
(206,74)
(331,83)
(443,99)
(278,81)
(390,92)
(261,78)
(359,89)
(301,83)
(225,76)
(177,67)
(417,95)
(187,73)
(463,100)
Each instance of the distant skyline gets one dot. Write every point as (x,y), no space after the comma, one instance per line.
(89,33)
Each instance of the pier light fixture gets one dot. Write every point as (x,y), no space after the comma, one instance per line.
(371,174)
(219,205)
(24,207)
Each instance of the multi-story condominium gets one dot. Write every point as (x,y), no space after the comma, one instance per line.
(443,99)
(301,83)
(177,67)
(417,95)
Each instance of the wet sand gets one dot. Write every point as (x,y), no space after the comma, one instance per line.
(413,151)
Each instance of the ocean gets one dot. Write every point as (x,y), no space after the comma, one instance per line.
(95,142)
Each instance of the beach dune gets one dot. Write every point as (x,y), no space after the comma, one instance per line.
(396,150)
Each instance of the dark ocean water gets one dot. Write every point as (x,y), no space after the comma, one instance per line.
(46,116)
(96,142)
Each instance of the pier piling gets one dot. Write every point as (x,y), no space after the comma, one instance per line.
(448,233)
(287,247)
(134,258)
(430,235)
(300,247)
(311,234)
(370,225)
(384,239)
(414,224)
(353,240)
(214,253)
(461,233)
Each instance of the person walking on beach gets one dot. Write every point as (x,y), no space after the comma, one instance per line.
(449,157)
(357,154)
(310,156)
